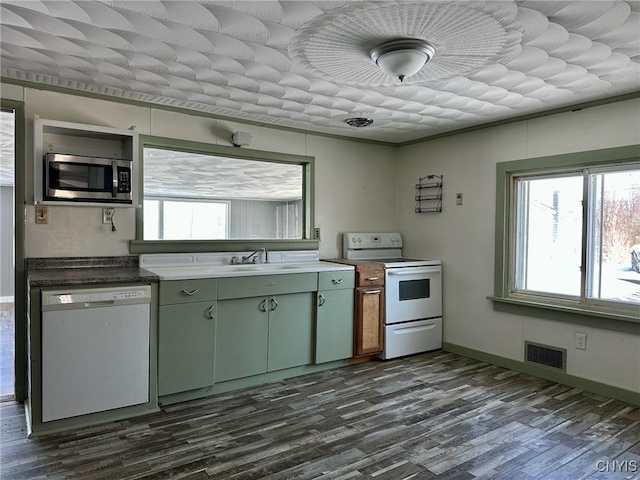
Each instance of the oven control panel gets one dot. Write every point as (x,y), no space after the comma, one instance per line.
(371,240)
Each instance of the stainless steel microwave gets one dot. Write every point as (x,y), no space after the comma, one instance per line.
(87,179)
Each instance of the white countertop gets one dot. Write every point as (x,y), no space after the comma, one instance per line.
(209,265)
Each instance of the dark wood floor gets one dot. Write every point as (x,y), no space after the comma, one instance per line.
(436,415)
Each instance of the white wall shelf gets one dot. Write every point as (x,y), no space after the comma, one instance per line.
(53,136)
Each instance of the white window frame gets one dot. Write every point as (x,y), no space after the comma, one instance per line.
(588,209)
(526,303)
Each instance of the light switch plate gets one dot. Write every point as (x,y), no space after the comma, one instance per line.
(458,199)
(42,215)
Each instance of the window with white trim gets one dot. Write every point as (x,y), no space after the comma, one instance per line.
(575,237)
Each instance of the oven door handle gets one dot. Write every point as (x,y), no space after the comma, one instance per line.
(413,271)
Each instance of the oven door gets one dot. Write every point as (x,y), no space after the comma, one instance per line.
(412,293)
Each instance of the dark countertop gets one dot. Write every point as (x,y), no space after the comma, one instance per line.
(78,271)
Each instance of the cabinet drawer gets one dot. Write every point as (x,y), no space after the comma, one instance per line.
(188,291)
(370,275)
(336,280)
(255,286)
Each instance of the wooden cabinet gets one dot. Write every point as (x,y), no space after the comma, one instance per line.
(369,309)
(334,316)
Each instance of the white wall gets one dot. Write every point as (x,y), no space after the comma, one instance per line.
(355,182)
(463,236)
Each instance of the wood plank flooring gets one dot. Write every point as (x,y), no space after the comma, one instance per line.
(435,415)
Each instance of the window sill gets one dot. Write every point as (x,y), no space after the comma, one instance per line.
(199,246)
(587,316)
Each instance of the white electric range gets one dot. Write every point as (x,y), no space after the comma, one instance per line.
(413,293)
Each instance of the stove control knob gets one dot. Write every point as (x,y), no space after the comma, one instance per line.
(353,239)
(359,240)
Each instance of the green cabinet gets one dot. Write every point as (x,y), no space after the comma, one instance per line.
(290,331)
(334,316)
(241,338)
(186,346)
(263,334)
(216,330)
(334,325)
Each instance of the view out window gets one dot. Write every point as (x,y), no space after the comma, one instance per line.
(198,196)
(576,236)
(185,220)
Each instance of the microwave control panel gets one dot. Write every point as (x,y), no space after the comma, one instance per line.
(124,180)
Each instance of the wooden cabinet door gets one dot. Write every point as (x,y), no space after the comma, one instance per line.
(369,320)
(290,330)
(241,338)
(334,325)
(186,340)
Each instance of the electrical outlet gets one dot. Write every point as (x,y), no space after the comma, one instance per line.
(458,199)
(107,214)
(316,234)
(581,341)
(42,215)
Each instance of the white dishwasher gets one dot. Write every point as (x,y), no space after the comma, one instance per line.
(95,350)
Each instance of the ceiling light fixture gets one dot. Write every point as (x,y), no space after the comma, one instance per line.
(403,57)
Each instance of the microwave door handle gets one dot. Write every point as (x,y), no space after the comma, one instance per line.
(114,179)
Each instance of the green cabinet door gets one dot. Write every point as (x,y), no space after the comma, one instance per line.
(290,330)
(334,325)
(186,339)
(241,338)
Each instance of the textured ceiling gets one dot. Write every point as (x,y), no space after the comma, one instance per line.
(218,177)
(7,143)
(305,64)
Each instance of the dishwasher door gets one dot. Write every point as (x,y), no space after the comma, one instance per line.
(95,350)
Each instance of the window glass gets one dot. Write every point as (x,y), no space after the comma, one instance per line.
(548,234)
(614,240)
(193,196)
(556,224)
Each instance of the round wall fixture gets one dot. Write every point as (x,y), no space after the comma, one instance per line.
(339,46)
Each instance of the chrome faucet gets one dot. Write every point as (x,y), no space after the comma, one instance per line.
(251,258)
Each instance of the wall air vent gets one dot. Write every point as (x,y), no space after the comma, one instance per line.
(545,355)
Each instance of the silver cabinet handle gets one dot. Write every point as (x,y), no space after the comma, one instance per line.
(371,279)
(369,292)
(321,300)
(336,282)
(210,313)
(263,305)
(274,304)
(191,293)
